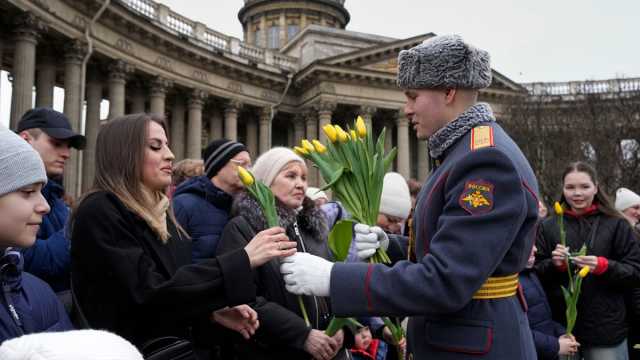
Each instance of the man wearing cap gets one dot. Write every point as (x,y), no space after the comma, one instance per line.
(202,203)
(474,222)
(50,134)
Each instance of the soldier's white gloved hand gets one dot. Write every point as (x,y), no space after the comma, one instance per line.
(368,239)
(306,274)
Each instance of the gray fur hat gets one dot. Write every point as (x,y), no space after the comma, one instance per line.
(444,61)
(20,164)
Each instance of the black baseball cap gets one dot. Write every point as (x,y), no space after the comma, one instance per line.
(53,123)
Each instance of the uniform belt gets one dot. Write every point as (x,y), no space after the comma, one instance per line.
(498,287)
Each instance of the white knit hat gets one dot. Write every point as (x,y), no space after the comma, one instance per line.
(20,164)
(626,198)
(69,345)
(269,164)
(396,199)
(314,193)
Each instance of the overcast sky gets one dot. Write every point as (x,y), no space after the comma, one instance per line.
(539,40)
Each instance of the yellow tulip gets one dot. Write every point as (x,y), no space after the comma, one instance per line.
(342,135)
(306,144)
(353,135)
(320,148)
(558,208)
(331,133)
(245,176)
(300,151)
(361,127)
(584,271)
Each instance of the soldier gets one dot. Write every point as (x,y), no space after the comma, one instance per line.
(474,223)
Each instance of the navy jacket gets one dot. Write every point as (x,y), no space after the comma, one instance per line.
(203,211)
(37,308)
(459,244)
(545,331)
(49,257)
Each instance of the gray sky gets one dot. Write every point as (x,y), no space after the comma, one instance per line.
(539,40)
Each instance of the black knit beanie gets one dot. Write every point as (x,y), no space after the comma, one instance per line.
(218,153)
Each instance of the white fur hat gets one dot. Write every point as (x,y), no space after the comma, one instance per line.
(314,193)
(396,198)
(444,61)
(269,164)
(626,198)
(69,345)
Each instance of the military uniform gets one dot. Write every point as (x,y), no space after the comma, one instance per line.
(475,226)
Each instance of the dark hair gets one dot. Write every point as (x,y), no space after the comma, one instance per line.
(601,198)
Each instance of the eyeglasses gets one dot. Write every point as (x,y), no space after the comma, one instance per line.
(240,163)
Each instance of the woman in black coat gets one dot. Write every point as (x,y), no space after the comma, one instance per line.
(131,263)
(283,333)
(612,255)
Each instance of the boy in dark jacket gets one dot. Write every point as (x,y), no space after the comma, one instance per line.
(50,134)
(549,337)
(27,305)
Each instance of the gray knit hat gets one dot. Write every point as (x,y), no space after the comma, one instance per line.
(444,61)
(20,164)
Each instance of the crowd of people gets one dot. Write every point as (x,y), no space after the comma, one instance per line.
(176,260)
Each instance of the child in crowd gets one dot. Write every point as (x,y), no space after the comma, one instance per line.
(28,304)
(366,347)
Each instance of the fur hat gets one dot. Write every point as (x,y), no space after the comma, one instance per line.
(626,198)
(444,61)
(20,164)
(69,345)
(395,199)
(269,164)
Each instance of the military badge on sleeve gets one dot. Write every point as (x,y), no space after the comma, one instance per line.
(477,197)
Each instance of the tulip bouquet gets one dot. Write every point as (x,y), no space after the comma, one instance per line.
(575,279)
(353,166)
(263,195)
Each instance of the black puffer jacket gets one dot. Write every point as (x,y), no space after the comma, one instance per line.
(601,309)
(282,331)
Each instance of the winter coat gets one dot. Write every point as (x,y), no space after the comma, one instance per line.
(129,282)
(49,257)
(203,211)
(283,332)
(602,315)
(36,306)
(545,331)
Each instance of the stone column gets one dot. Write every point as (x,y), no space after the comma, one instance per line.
(423,160)
(252,136)
(118,73)
(325,111)
(265,129)
(312,133)
(215,124)
(74,52)
(158,94)
(298,129)
(264,31)
(402,123)
(194,127)
(138,99)
(45,80)
(27,33)
(367,113)
(231,119)
(283,29)
(91,127)
(388,137)
(177,127)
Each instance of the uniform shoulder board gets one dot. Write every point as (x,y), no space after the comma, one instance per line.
(481,137)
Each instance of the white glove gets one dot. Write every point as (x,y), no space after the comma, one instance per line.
(369,239)
(306,274)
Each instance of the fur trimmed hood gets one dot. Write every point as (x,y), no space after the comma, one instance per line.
(311,219)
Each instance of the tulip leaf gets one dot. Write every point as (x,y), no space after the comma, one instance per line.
(340,239)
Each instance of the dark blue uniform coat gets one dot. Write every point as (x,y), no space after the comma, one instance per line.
(459,247)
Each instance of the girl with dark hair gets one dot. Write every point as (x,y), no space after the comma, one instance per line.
(612,255)
(131,263)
